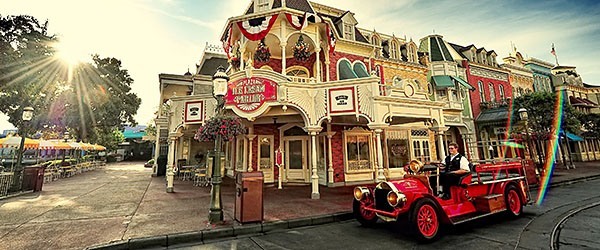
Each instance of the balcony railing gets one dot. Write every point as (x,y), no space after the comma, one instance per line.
(495,104)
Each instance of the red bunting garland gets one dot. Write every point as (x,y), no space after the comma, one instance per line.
(295,21)
(257,28)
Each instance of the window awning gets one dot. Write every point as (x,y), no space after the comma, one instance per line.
(493,116)
(442,82)
(573,137)
(463,82)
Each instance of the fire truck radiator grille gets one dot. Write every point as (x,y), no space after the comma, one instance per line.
(381,200)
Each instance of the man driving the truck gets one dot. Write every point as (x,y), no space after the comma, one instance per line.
(455,166)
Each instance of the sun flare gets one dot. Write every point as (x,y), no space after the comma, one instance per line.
(71,53)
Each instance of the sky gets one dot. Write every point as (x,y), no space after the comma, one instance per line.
(168,36)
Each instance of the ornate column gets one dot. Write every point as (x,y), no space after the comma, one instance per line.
(318,57)
(315,176)
(440,134)
(283,59)
(171,161)
(380,175)
(156,151)
(329,154)
(250,140)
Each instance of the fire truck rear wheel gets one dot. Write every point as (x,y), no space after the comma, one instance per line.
(514,206)
(364,217)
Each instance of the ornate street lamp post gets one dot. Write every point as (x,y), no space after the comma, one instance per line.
(18,174)
(215,214)
(524,117)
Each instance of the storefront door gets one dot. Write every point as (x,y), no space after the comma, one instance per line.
(296,158)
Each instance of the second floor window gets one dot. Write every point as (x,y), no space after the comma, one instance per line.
(481,91)
(348,31)
(492,92)
(501,88)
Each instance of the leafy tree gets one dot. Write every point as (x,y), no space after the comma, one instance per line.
(90,100)
(108,139)
(591,124)
(151,129)
(540,110)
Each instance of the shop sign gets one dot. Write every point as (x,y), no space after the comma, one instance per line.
(249,94)
(341,100)
(194,111)
(499,130)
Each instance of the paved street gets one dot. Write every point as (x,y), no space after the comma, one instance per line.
(532,231)
(121,201)
(93,207)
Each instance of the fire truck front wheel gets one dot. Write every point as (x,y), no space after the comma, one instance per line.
(364,217)
(425,220)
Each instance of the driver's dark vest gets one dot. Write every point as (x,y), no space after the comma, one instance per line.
(454,164)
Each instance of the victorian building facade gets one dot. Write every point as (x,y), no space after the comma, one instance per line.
(490,100)
(344,104)
(447,82)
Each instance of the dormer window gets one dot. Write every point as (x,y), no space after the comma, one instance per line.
(348,31)
(262,5)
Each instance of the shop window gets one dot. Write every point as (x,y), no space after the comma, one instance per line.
(239,153)
(421,150)
(358,152)
(398,153)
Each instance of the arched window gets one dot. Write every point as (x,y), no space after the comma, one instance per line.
(394,50)
(501,92)
(345,70)
(412,53)
(360,70)
(492,92)
(481,91)
(297,71)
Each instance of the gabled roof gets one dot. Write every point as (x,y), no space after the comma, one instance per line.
(359,36)
(459,49)
(301,5)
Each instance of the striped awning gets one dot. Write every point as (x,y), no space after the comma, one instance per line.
(15,142)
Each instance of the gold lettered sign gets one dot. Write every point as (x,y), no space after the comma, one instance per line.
(249,94)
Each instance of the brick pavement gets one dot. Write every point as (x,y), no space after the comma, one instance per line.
(121,202)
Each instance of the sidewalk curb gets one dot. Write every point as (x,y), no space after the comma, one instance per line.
(254,228)
(230,231)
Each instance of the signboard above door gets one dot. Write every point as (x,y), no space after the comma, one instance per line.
(249,94)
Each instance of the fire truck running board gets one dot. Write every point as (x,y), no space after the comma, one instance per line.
(469,217)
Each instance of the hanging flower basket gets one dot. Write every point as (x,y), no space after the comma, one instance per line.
(301,50)
(235,62)
(227,127)
(262,53)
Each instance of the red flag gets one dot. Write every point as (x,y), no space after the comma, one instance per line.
(553,52)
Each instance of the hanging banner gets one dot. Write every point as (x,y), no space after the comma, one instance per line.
(257,28)
(330,38)
(249,94)
(227,41)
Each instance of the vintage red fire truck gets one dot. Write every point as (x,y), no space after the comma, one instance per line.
(490,188)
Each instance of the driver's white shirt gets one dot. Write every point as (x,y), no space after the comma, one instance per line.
(464,163)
